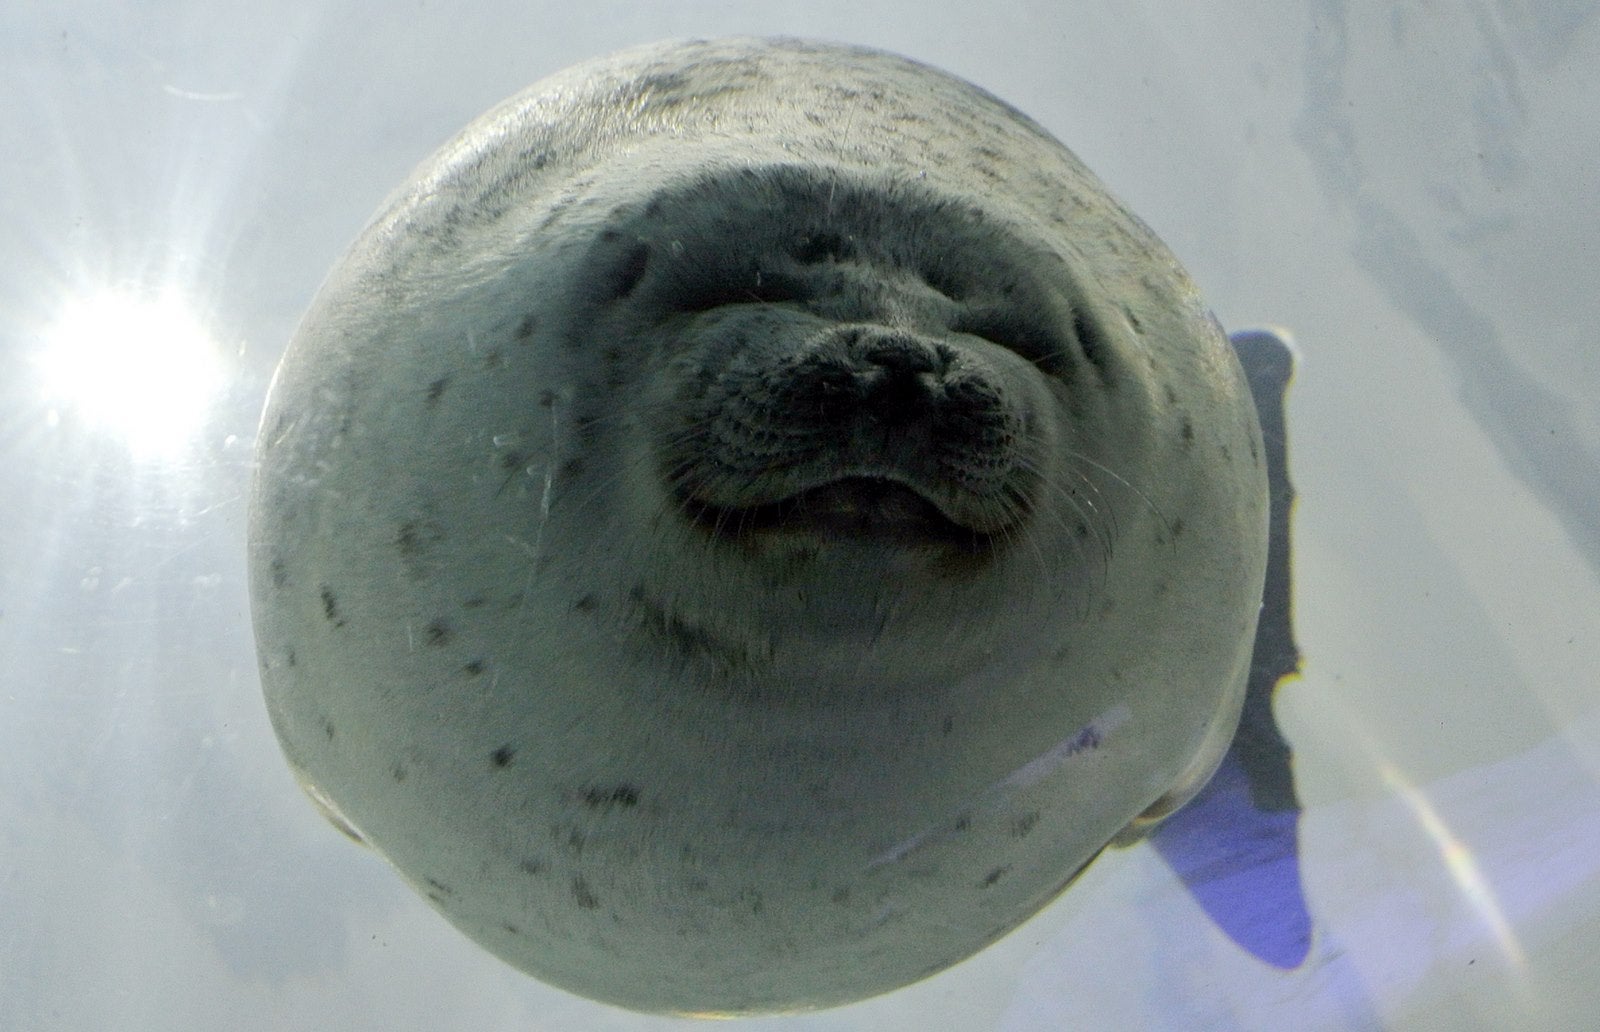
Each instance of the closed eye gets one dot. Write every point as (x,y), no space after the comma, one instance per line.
(1015,332)
(703,295)
(822,247)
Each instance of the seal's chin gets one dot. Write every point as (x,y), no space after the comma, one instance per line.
(862,508)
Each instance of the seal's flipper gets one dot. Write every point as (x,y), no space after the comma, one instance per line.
(1236,844)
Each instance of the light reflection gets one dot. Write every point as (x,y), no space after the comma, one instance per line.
(1461,865)
(140,366)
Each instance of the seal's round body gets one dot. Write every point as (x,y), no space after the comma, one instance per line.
(748,522)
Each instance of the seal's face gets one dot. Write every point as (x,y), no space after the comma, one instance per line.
(826,379)
(728,568)
(843,376)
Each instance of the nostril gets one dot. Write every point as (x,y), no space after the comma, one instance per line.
(901,395)
(865,371)
(897,352)
(899,373)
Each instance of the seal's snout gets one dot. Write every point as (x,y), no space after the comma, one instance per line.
(891,429)
(873,375)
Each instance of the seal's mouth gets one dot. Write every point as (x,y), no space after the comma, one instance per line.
(854,507)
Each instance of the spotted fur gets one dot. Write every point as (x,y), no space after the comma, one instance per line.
(748,522)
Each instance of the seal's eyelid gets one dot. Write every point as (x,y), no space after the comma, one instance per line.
(1014,333)
(758,288)
(630,270)
(822,247)
(1091,340)
(941,280)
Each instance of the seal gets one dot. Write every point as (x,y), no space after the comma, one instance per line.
(748,522)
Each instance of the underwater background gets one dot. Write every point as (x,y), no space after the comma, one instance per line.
(1406,190)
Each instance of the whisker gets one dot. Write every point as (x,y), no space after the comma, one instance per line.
(1085,509)
(1125,482)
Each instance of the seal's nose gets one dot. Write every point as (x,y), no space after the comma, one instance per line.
(900,374)
(896,351)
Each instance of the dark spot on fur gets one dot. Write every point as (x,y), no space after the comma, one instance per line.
(573,467)
(607,798)
(330,607)
(511,929)
(841,895)
(689,640)
(436,389)
(1170,394)
(439,886)
(439,634)
(503,756)
(290,658)
(531,159)
(524,331)
(1177,527)
(280,572)
(493,359)
(752,898)
(534,867)
(398,772)
(948,726)
(986,160)
(347,418)
(512,461)
(1024,824)
(669,82)
(586,604)
(415,541)
(1186,430)
(993,876)
(547,399)
(474,667)
(328,730)
(583,894)
(963,823)
(475,602)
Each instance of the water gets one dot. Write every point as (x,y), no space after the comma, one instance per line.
(1409,191)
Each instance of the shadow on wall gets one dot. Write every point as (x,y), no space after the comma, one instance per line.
(1236,845)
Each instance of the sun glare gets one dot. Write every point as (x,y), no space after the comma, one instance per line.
(139,366)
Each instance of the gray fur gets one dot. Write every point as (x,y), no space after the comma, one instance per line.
(537,622)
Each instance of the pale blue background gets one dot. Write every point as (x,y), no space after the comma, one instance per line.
(1410,188)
